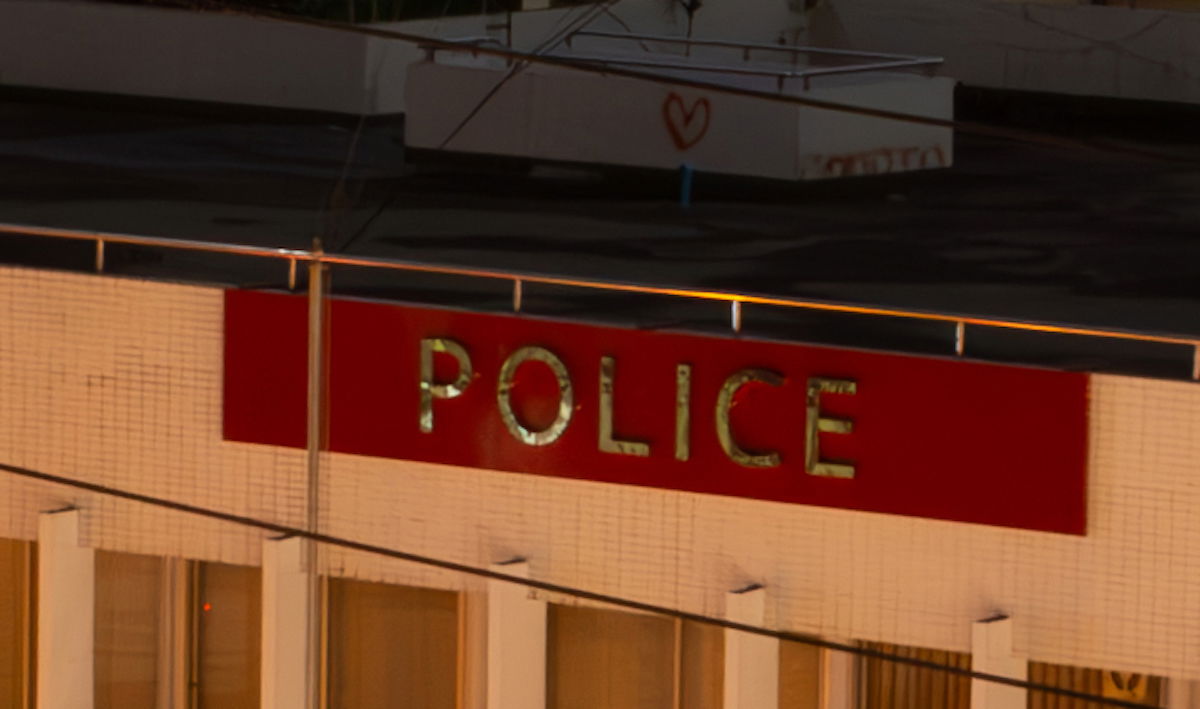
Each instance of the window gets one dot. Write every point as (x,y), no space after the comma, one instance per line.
(129,624)
(1115,685)
(799,676)
(226,608)
(702,665)
(893,685)
(602,659)
(391,646)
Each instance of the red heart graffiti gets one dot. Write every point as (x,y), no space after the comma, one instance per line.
(687,126)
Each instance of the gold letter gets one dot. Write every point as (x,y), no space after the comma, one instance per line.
(566,399)
(429,390)
(816,424)
(725,400)
(683,411)
(608,444)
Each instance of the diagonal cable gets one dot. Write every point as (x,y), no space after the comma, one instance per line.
(543,48)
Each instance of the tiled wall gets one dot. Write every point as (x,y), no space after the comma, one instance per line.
(119,382)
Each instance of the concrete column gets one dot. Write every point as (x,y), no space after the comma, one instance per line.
(66,612)
(991,652)
(473,649)
(285,599)
(516,643)
(839,679)
(751,661)
(1181,694)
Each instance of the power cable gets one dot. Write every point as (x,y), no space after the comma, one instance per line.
(550,43)
(546,46)
(618,601)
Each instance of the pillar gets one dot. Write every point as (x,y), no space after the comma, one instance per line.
(66,610)
(751,661)
(516,642)
(285,599)
(839,679)
(991,652)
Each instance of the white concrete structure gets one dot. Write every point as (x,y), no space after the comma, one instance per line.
(554,114)
(516,642)
(991,652)
(285,614)
(65,613)
(751,661)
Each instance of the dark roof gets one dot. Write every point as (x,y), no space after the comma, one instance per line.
(1012,230)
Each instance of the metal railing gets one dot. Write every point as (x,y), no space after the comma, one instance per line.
(882,61)
(781,75)
(518,280)
(748,47)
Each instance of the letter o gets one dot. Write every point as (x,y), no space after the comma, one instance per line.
(566,396)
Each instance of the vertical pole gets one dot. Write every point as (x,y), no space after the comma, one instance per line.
(960,337)
(735,315)
(1196,361)
(686,177)
(99,255)
(751,661)
(66,613)
(317,288)
(517,295)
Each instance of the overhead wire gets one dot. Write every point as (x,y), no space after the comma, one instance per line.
(549,44)
(555,588)
(559,34)
(594,67)
(543,58)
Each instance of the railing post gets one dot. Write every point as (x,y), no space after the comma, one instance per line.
(1196,361)
(735,315)
(960,337)
(517,295)
(291,274)
(99,255)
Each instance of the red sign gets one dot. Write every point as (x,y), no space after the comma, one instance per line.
(939,438)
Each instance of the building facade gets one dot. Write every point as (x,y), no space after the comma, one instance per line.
(126,384)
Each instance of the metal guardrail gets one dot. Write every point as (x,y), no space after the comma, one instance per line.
(736,301)
(748,47)
(883,61)
(780,74)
